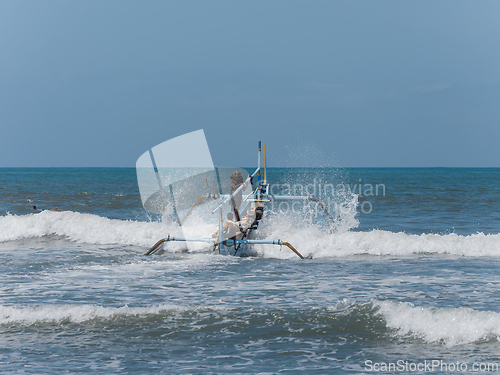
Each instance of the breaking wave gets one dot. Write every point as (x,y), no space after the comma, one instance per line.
(445,326)
(309,239)
(81,228)
(319,242)
(83,313)
(449,326)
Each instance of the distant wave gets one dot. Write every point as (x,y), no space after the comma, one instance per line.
(309,239)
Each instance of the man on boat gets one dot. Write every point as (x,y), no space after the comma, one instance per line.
(236,182)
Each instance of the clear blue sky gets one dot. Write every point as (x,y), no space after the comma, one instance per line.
(338,83)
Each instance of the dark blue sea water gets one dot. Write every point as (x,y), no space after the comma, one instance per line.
(405,280)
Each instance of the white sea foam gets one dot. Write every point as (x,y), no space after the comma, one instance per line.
(309,239)
(379,242)
(82,228)
(321,243)
(450,326)
(82,313)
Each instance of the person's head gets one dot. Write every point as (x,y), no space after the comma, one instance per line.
(34,207)
(230,216)
(237,177)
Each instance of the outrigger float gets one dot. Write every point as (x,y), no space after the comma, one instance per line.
(236,234)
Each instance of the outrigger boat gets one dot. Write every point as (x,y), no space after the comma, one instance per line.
(233,237)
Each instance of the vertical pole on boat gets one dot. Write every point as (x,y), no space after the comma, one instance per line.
(258,175)
(265,165)
(220,235)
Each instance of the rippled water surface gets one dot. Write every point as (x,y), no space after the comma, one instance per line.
(414,280)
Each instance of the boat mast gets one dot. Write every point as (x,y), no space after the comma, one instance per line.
(258,175)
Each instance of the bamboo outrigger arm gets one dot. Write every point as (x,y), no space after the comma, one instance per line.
(157,246)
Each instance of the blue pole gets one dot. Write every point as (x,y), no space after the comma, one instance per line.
(258,176)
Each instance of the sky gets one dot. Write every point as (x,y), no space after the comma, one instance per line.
(324,83)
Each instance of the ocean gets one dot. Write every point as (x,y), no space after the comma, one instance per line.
(404,281)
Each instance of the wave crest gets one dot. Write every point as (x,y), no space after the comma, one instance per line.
(450,326)
(83,313)
(82,228)
(309,239)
